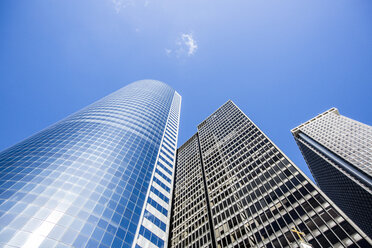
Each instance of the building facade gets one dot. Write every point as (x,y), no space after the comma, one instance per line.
(338,151)
(102,177)
(253,195)
(190,212)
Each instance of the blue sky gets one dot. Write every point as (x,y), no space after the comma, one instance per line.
(281,62)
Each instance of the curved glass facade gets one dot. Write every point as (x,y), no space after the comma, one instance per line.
(99,178)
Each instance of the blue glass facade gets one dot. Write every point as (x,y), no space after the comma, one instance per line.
(86,180)
(155,217)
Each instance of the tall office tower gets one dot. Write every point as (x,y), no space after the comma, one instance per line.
(338,151)
(254,195)
(99,178)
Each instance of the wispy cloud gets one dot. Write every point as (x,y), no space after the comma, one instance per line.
(185,45)
(190,43)
(120,4)
(168,51)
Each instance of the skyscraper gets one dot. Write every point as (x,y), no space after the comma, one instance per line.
(235,188)
(338,151)
(102,177)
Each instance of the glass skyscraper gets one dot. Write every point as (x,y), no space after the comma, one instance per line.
(338,151)
(102,177)
(235,188)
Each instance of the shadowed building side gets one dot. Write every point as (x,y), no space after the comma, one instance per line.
(338,151)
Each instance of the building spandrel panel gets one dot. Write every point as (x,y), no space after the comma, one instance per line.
(83,181)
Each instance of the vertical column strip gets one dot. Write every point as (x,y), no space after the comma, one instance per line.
(211,226)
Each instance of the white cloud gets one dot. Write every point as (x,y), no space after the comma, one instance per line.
(190,43)
(120,4)
(185,45)
(168,51)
